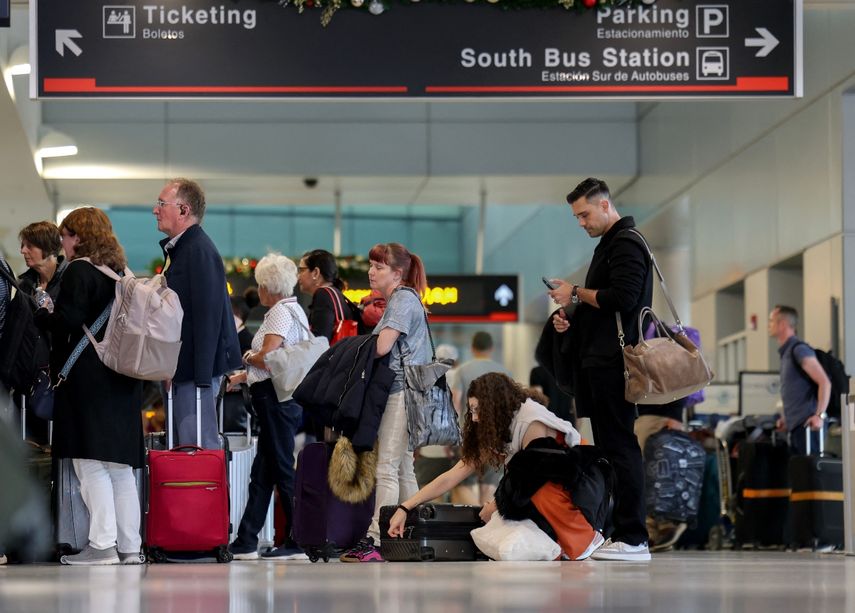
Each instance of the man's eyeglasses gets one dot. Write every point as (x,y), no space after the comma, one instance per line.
(162,203)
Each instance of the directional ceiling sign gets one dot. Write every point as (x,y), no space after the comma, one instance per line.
(258,48)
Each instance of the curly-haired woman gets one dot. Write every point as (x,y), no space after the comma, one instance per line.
(503,418)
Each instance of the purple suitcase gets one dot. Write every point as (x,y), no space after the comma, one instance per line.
(323,524)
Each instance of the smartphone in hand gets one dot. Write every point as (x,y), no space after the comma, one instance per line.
(548,283)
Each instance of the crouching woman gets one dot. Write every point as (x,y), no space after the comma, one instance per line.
(504,419)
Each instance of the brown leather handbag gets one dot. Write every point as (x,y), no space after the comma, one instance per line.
(665,368)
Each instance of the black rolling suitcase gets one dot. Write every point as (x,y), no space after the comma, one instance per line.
(762,493)
(432,533)
(816,499)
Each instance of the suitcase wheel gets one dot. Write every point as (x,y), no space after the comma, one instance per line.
(156,556)
(224,556)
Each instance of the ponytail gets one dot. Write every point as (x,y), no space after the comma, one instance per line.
(417,279)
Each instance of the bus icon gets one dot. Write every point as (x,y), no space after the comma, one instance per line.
(712,63)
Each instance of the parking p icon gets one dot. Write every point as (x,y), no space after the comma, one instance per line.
(712,20)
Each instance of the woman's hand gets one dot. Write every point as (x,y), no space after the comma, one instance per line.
(396,523)
(487,511)
(235,379)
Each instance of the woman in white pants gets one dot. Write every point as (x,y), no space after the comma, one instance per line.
(96,410)
(401,332)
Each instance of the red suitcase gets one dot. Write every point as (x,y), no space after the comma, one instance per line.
(188,499)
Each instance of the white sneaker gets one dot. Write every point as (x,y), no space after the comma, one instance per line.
(595,544)
(615,550)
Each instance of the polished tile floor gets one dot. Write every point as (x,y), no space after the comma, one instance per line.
(677,582)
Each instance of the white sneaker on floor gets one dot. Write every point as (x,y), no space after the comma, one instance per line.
(622,552)
(595,544)
(92,557)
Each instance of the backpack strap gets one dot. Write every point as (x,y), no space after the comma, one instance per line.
(88,337)
(796,362)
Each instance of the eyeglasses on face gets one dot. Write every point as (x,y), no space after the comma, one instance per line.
(162,203)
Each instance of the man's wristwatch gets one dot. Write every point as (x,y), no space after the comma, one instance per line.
(574,296)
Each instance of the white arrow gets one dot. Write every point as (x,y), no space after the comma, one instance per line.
(64,39)
(766,42)
(503,295)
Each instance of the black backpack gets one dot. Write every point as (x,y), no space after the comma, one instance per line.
(836,373)
(24,350)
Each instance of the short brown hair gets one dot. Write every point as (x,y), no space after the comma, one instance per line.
(44,235)
(192,194)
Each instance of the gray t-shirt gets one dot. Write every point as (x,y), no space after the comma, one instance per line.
(405,313)
(798,392)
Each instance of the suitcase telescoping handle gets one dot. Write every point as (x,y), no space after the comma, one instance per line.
(169,417)
(821,438)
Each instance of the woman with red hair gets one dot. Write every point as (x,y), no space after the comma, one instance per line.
(402,333)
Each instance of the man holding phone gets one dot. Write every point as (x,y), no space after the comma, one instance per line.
(618,280)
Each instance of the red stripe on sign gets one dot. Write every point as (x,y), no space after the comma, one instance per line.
(743,84)
(89,86)
(464,319)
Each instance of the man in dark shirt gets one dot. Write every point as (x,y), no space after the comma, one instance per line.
(805,388)
(618,281)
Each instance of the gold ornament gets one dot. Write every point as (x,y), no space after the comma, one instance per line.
(357,3)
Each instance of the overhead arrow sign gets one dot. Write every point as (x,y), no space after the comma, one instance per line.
(64,39)
(504,295)
(766,42)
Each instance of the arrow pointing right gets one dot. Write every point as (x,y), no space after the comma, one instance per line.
(64,39)
(766,42)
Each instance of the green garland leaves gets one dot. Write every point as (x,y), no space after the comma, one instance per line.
(329,8)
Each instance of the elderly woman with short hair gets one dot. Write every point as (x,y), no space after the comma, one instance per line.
(284,324)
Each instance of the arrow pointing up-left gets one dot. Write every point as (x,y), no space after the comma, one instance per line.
(64,39)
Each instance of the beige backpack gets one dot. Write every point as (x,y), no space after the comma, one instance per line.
(143,335)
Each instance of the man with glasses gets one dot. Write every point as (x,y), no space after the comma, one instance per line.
(209,345)
(618,280)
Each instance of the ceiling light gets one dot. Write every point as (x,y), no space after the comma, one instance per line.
(53,144)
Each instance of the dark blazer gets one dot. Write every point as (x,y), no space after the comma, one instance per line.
(209,343)
(322,312)
(347,389)
(96,410)
(620,270)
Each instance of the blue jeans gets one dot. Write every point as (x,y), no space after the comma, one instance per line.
(273,464)
(184,413)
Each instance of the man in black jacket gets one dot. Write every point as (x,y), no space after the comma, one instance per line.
(618,280)
(209,344)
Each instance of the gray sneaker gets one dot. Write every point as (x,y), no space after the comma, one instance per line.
(92,557)
(131,558)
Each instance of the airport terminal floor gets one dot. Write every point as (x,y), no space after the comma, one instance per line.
(679,582)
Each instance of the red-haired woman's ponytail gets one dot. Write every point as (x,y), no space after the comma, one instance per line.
(416,277)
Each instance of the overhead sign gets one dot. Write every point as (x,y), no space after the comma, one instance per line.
(465,298)
(5,12)
(258,48)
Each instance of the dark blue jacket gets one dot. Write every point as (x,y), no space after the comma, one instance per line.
(209,343)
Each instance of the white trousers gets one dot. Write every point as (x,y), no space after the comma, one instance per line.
(109,491)
(396,479)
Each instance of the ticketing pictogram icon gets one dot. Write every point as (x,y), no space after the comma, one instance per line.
(119,21)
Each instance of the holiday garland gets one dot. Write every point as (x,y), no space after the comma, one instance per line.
(349,266)
(328,8)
